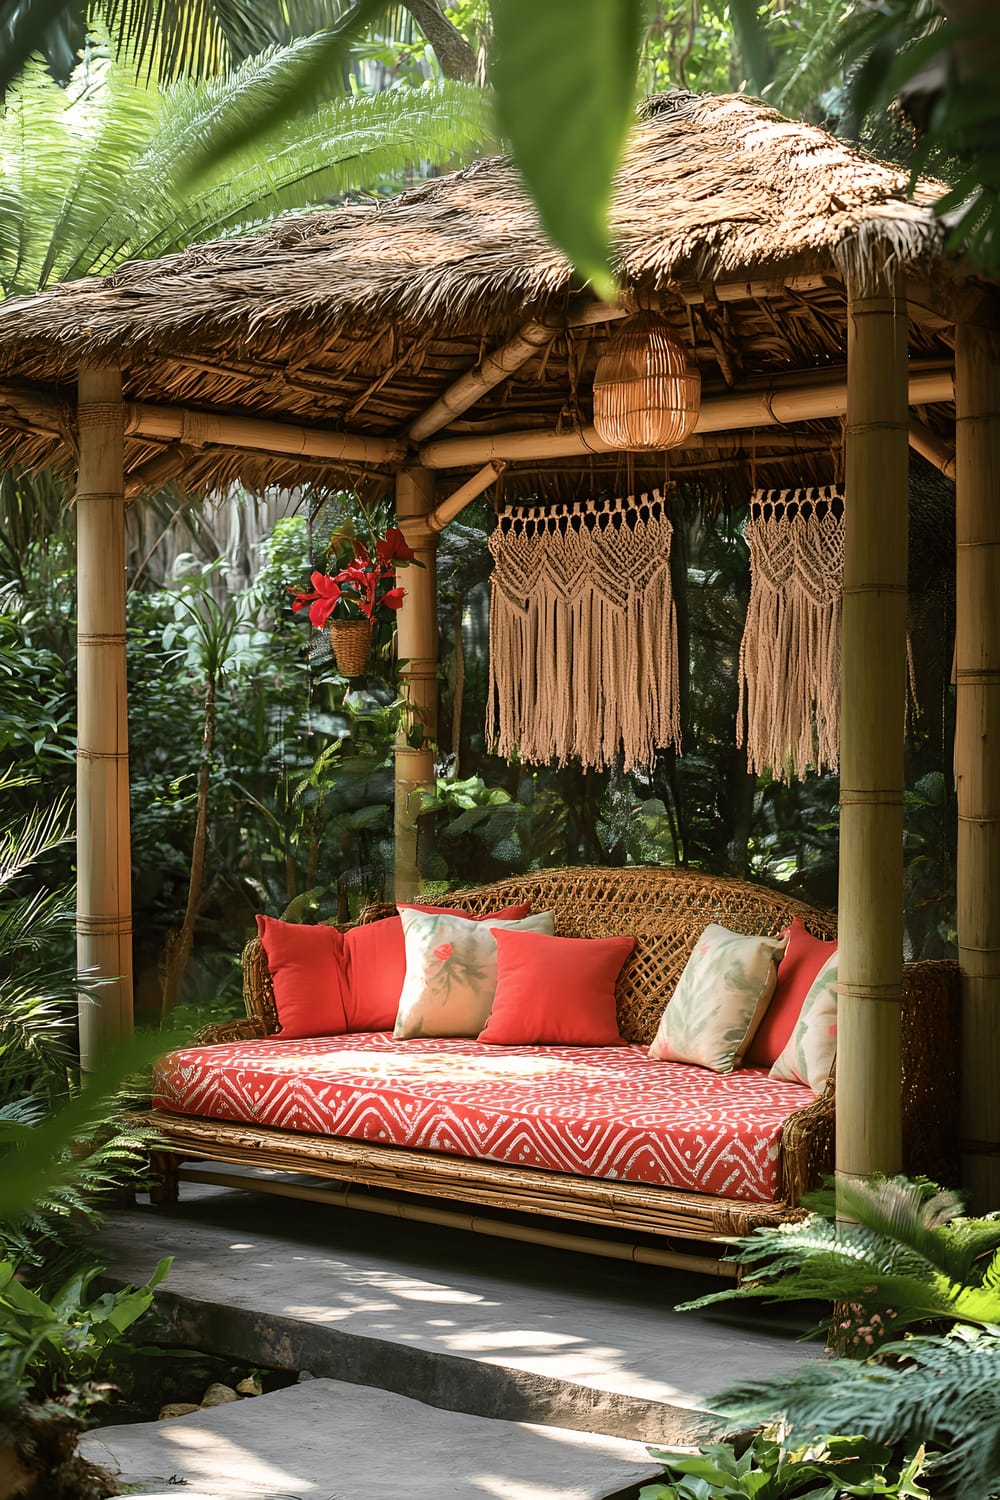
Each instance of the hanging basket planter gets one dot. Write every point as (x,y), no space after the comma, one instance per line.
(351,643)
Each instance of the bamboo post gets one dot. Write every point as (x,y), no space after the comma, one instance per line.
(870,921)
(977,750)
(104,872)
(418,653)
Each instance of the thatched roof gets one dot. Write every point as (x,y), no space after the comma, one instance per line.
(360,316)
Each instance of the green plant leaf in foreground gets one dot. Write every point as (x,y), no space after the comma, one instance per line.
(564,73)
(41,1156)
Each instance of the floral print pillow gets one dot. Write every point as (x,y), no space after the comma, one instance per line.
(810,1050)
(451,972)
(720,999)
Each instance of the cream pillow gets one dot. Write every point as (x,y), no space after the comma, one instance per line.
(451,971)
(810,1050)
(720,999)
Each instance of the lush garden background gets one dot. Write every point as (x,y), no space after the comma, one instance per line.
(122,139)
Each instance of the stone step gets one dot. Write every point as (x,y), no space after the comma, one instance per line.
(327,1440)
(520,1334)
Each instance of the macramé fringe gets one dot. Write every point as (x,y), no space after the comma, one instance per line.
(790,652)
(583,635)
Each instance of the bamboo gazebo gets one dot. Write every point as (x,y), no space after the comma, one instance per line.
(430,343)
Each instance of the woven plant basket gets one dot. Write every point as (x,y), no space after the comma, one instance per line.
(351,643)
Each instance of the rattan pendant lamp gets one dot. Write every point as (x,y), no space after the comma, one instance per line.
(647,388)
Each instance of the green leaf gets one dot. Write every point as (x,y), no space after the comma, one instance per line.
(565,77)
(39,1162)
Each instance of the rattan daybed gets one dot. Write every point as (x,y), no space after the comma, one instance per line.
(665,910)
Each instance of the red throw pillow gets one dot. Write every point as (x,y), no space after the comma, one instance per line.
(376,965)
(309,977)
(804,957)
(556,989)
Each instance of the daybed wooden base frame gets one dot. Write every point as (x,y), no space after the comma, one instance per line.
(665,910)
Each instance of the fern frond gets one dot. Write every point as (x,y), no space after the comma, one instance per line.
(903,1213)
(944,1395)
(906,1249)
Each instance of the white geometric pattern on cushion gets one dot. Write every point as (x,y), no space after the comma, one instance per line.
(610,1112)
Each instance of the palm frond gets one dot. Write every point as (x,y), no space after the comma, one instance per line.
(195,38)
(36,147)
(103,170)
(32,922)
(23,844)
(110,110)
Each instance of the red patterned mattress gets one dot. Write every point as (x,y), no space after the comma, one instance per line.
(609,1112)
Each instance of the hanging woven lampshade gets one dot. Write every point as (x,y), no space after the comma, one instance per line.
(647,388)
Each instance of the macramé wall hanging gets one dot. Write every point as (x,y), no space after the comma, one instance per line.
(790,653)
(583,634)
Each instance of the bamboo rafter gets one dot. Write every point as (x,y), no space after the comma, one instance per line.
(934,449)
(776,405)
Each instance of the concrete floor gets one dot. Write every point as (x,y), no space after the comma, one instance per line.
(380,1310)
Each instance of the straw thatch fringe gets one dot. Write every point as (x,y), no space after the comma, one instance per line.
(789,708)
(583,635)
(709,187)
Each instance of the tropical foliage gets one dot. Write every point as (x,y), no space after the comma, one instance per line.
(903,1255)
(57,1346)
(779,1467)
(49,1179)
(100,172)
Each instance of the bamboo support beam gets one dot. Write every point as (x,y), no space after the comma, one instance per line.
(934,449)
(450,1218)
(199,429)
(977,751)
(870,905)
(464,495)
(35,409)
(774,406)
(417,644)
(490,372)
(104,873)
(505,361)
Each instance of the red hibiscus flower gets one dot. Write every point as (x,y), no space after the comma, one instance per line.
(365,583)
(322,599)
(393,549)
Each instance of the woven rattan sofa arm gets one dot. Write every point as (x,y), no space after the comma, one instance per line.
(258,991)
(807,1139)
(242,1029)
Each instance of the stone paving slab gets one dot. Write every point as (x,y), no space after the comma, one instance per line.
(458,1320)
(326,1440)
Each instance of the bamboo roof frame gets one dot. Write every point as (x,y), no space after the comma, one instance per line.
(358,339)
(439,331)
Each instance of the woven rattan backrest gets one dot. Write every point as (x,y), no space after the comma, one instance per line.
(665,910)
